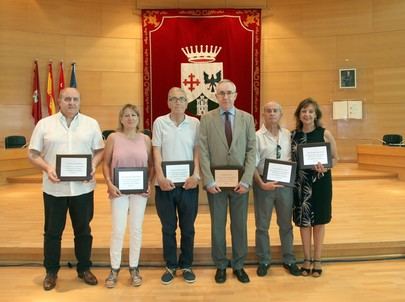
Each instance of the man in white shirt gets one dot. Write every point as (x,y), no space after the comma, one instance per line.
(273,142)
(67,132)
(175,138)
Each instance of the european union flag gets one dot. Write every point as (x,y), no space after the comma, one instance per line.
(73,82)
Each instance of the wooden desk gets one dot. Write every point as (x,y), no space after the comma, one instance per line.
(14,162)
(382,158)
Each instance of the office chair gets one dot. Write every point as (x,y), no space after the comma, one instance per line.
(106,133)
(15,141)
(392,140)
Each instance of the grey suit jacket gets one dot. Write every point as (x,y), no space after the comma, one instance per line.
(214,150)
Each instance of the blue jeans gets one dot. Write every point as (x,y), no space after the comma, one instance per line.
(169,204)
(81,209)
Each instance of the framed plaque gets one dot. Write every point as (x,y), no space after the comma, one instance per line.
(131,180)
(227,177)
(347,78)
(178,171)
(73,167)
(312,153)
(281,171)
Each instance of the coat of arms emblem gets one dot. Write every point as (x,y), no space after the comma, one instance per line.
(199,77)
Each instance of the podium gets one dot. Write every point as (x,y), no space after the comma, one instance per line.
(382,158)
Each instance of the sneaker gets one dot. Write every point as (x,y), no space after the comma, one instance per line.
(188,275)
(168,276)
(111,280)
(136,279)
(292,269)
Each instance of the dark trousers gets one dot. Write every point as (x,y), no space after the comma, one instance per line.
(81,210)
(169,204)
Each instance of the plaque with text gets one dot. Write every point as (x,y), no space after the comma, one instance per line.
(73,167)
(227,177)
(312,153)
(131,180)
(178,171)
(281,171)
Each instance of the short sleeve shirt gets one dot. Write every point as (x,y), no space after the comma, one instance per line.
(52,136)
(176,142)
(266,146)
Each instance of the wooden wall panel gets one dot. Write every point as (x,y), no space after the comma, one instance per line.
(372,50)
(156,4)
(48,16)
(16,120)
(15,82)
(298,54)
(145,4)
(379,119)
(389,85)
(107,116)
(122,88)
(18,51)
(108,88)
(388,15)
(328,18)
(101,54)
(90,86)
(384,118)
(365,85)
(284,87)
(199,3)
(292,87)
(282,21)
(244,3)
(121,20)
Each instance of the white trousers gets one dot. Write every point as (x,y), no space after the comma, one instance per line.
(132,206)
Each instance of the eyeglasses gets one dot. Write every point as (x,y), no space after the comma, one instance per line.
(278,152)
(180,99)
(224,93)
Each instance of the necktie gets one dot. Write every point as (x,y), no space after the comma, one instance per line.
(228,128)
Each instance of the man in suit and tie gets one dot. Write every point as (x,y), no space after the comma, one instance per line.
(227,138)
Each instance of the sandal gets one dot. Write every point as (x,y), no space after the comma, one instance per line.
(306,271)
(316,272)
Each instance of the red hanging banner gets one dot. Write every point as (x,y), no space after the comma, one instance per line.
(195,49)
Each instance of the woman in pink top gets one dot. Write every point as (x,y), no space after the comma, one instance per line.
(126,148)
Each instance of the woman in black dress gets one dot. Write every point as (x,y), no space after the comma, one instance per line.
(313,187)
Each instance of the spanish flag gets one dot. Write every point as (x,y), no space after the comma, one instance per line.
(50,96)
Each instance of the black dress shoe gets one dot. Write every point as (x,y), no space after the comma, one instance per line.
(87,277)
(220,275)
(50,281)
(292,268)
(262,269)
(241,275)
